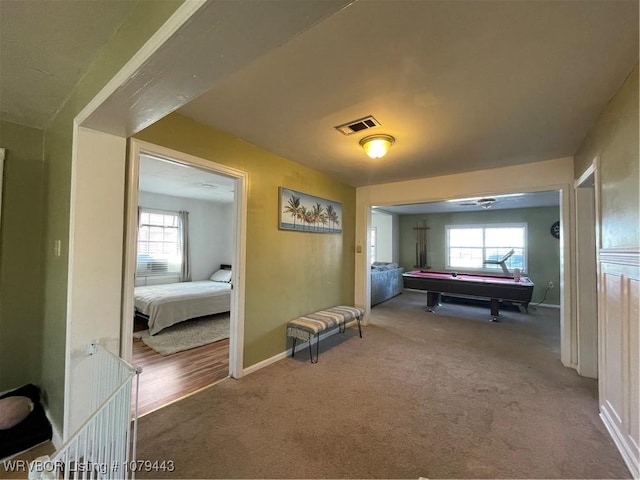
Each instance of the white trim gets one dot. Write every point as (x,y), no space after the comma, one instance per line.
(568,329)
(548,305)
(633,464)
(166,31)
(56,436)
(586,174)
(130,253)
(597,191)
(368,221)
(287,353)
(2,155)
(620,256)
(137,147)
(70,262)
(265,363)
(373,249)
(585,273)
(240,200)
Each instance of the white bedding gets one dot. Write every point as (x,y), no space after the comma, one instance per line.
(166,305)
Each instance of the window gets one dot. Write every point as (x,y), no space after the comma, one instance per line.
(374,231)
(468,246)
(159,246)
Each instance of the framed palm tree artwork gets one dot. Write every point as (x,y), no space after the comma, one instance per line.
(305,213)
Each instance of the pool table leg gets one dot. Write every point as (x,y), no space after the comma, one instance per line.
(495,305)
(433,300)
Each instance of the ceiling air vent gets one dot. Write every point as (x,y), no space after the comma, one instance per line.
(358,125)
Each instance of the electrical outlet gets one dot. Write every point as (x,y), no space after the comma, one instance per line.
(550,284)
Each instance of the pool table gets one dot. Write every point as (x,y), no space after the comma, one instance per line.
(488,286)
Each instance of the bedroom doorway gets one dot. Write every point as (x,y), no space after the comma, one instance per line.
(182,320)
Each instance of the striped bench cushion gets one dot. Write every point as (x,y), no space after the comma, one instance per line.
(307,326)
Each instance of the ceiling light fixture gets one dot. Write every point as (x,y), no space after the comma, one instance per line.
(377,146)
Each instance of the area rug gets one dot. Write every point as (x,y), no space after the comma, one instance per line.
(187,335)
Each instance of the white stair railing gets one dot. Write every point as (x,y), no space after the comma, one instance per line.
(104,447)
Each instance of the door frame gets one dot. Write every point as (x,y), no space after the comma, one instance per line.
(236,326)
(587,224)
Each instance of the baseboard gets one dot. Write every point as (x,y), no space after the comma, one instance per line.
(265,363)
(632,461)
(287,353)
(56,437)
(548,305)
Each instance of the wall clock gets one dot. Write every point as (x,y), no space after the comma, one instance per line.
(555,229)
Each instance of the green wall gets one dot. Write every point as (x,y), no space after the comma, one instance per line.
(543,254)
(287,273)
(614,139)
(145,19)
(21,283)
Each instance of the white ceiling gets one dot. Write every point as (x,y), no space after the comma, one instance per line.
(461,85)
(45,48)
(502,202)
(162,176)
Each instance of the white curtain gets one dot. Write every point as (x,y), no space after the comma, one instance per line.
(185,272)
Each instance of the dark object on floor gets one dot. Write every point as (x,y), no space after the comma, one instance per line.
(31,431)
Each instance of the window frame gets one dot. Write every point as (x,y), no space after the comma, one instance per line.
(484,227)
(373,244)
(158,211)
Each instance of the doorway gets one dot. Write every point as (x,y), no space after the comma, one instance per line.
(202,365)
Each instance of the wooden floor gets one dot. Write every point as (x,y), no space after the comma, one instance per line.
(168,378)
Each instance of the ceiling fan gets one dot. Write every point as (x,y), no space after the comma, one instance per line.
(484,202)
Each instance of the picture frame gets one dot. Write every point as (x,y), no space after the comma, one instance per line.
(302,212)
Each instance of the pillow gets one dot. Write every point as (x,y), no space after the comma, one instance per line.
(221,276)
(14,410)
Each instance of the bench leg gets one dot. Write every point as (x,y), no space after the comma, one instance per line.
(359,327)
(317,348)
(293,349)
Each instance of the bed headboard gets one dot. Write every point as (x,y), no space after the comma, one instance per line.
(224,266)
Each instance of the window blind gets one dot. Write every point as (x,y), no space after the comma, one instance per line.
(159,245)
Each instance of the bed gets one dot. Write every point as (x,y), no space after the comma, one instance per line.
(166,305)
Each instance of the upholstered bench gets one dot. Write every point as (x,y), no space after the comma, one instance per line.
(305,327)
